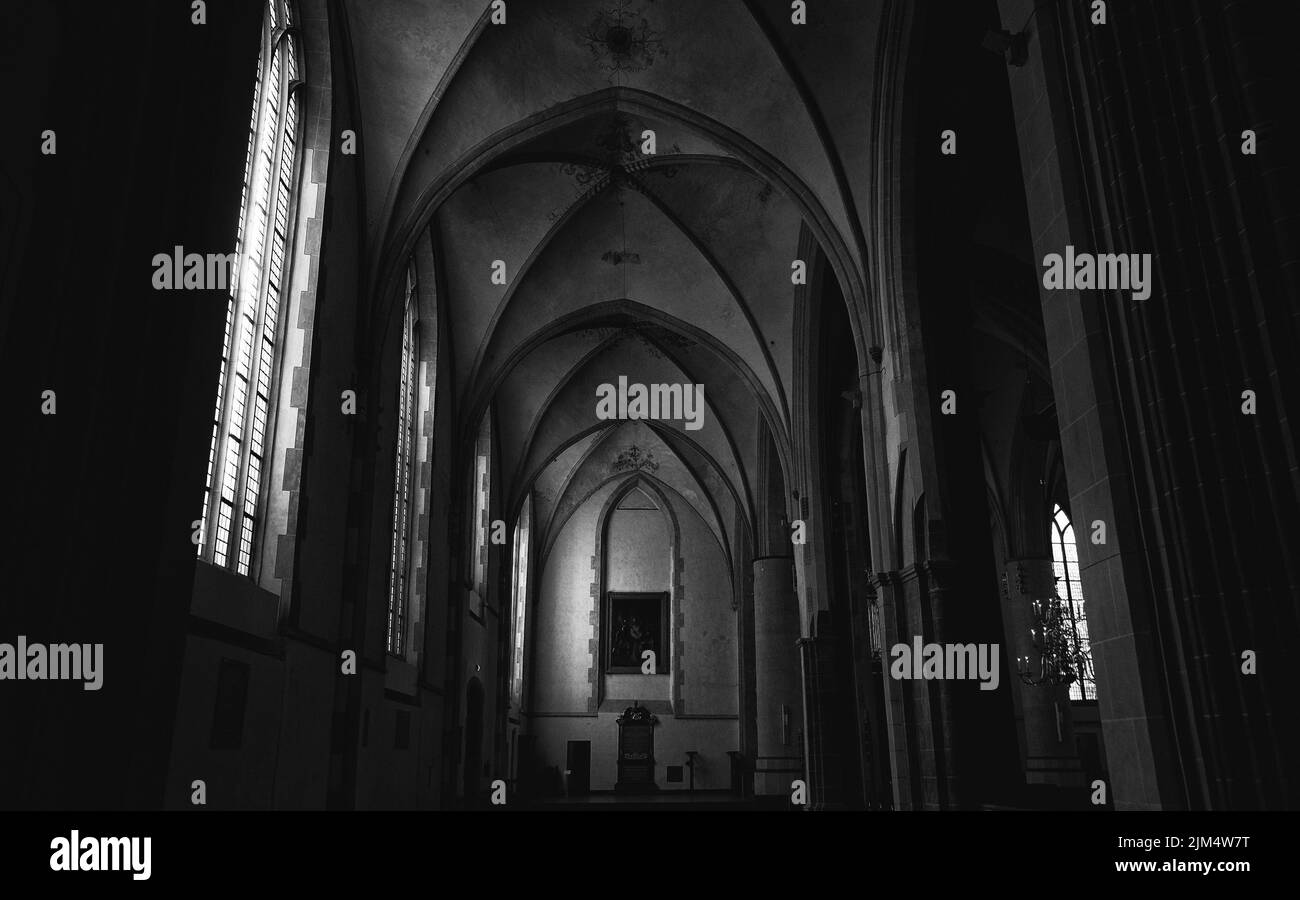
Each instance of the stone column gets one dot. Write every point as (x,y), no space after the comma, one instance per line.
(947,788)
(1198,491)
(779,716)
(902,764)
(825,761)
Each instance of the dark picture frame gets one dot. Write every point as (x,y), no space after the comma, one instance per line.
(634,622)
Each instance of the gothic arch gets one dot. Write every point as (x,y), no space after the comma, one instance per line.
(643,482)
(401,234)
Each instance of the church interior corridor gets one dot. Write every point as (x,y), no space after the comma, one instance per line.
(650,405)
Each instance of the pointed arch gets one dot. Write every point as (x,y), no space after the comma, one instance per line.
(668,663)
(1069,589)
(411,215)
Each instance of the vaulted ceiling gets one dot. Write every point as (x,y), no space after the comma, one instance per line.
(522,143)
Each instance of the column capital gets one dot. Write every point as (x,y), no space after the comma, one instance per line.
(881,579)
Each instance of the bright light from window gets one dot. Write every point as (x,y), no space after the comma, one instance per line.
(236,456)
(1069,587)
(519,600)
(399,581)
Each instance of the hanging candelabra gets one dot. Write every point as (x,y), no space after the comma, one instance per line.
(1059,656)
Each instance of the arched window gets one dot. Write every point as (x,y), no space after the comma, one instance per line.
(480,526)
(403,480)
(1069,587)
(519,601)
(238,452)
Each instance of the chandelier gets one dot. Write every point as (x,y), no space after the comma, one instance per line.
(1059,656)
(621,40)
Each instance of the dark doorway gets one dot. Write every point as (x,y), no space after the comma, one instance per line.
(578,769)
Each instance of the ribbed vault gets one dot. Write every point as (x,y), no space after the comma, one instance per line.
(520,149)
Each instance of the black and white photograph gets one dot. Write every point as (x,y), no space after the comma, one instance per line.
(654,409)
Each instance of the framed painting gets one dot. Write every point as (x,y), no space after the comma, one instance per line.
(635,623)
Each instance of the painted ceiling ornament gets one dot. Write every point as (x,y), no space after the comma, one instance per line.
(634,459)
(614,143)
(621,40)
(671,170)
(583,173)
(652,333)
(609,154)
(618,257)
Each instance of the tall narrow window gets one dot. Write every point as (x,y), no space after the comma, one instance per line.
(519,601)
(403,481)
(237,455)
(1069,587)
(481,491)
